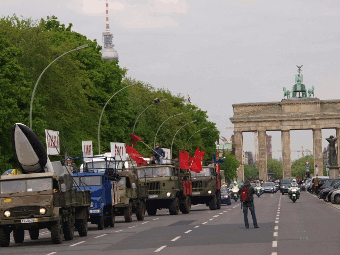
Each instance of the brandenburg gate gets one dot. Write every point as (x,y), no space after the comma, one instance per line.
(296,113)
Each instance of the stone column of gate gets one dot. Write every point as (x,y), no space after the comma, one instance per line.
(286,161)
(338,145)
(317,140)
(262,155)
(238,138)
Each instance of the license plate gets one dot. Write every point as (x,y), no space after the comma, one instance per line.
(94,211)
(196,193)
(153,196)
(29,220)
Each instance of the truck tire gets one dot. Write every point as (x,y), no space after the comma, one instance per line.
(4,237)
(151,211)
(68,230)
(34,233)
(213,203)
(57,232)
(19,235)
(82,227)
(218,200)
(101,223)
(140,212)
(128,213)
(174,206)
(186,206)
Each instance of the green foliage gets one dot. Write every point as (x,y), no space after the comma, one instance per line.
(274,166)
(230,166)
(299,166)
(251,172)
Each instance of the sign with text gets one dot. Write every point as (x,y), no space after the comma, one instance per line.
(52,142)
(167,159)
(118,151)
(87,148)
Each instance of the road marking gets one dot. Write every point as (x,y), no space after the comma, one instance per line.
(156,219)
(133,227)
(276,227)
(176,238)
(204,223)
(277,221)
(100,236)
(274,253)
(216,216)
(77,243)
(274,244)
(277,218)
(275,233)
(210,219)
(160,248)
(197,227)
(51,253)
(144,222)
(188,231)
(221,213)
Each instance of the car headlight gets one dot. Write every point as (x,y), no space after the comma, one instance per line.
(42,210)
(225,196)
(92,204)
(209,191)
(168,194)
(7,213)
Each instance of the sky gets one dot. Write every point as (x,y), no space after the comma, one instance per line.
(219,52)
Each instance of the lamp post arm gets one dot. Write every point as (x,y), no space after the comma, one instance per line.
(36,84)
(154,142)
(101,115)
(196,133)
(176,134)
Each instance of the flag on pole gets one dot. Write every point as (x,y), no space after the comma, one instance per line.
(184,159)
(134,139)
(216,159)
(196,163)
(135,156)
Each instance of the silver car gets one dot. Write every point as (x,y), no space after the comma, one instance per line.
(335,197)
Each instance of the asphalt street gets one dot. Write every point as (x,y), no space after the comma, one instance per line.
(309,226)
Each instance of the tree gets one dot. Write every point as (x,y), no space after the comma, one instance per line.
(230,166)
(251,172)
(274,166)
(299,166)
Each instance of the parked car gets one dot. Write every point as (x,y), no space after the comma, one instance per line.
(321,183)
(308,184)
(327,186)
(285,184)
(225,196)
(327,196)
(310,188)
(268,187)
(335,197)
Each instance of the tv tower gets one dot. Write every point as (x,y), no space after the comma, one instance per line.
(108,52)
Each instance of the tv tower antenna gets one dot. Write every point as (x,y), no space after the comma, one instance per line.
(108,51)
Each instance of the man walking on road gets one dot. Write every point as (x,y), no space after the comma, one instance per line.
(159,154)
(247,202)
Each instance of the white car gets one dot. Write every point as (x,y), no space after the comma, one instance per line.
(335,197)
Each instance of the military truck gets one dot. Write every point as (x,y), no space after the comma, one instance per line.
(132,195)
(168,187)
(206,186)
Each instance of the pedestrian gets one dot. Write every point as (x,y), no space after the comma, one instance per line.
(316,183)
(159,154)
(247,202)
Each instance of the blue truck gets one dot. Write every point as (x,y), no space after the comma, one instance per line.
(98,174)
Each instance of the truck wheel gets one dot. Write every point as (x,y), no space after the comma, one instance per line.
(57,232)
(34,233)
(68,230)
(4,237)
(213,203)
(101,223)
(218,202)
(174,206)
(128,213)
(186,206)
(19,235)
(82,227)
(140,213)
(151,211)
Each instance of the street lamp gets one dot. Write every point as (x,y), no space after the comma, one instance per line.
(154,142)
(101,115)
(156,101)
(36,84)
(177,132)
(196,133)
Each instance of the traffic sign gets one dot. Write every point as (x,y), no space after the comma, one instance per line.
(307,162)
(307,167)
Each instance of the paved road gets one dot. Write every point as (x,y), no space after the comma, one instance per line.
(309,226)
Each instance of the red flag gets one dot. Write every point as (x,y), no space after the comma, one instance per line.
(134,139)
(184,160)
(196,164)
(135,156)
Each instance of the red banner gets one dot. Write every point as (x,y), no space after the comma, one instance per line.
(134,139)
(196,163)
(135,156)
(184,160)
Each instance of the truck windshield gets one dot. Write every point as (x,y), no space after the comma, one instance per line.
(204,172)
(13,186)
(87,181)
(155,172)
(122,182)
(39,184)
(98,166)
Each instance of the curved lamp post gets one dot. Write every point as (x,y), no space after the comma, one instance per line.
(101,115)
(156,101)
(36,84)
(196,133)
(176,134)
(154,142)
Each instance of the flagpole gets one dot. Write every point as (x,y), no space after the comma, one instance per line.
(176,134)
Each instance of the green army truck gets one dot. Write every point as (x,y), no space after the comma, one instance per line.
(41,200)
(206,186)
(132,195)
(168,187)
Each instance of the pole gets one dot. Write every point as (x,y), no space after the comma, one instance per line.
(154,102)
(154,142)
(101,115)
(36,84)
(176,134)
(196,133)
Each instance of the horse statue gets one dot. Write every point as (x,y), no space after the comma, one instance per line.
(311,92)
(286,93)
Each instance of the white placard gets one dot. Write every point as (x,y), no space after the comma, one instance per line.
(167,159)
(52,142)
(87,148)
(118,151)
